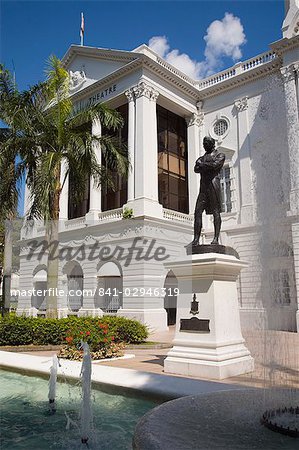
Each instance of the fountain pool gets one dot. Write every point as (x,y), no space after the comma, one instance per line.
(216,421)
(26,421)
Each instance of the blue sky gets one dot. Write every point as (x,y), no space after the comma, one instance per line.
(31,31)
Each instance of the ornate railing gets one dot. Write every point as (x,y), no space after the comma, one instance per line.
(217,78)
(78,222)
(111,215)
(176,216)
(237,69)
(258,60)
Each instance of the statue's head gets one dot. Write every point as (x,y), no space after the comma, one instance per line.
(208,144)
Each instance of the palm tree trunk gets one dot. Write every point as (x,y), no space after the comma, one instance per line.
(52,270)
(53,257)
(7,267)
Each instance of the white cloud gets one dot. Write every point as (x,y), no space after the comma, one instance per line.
(184,63)
(224,38)
(159,44)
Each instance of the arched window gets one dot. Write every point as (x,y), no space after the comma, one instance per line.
(110,288)
(75,287)
(38,299)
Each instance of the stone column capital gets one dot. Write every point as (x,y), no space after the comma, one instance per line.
(195,119)
(241,104)
(145,90)
(288,72)
(130,94)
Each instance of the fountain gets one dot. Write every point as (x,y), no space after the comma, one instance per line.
(86,411)
(52,384)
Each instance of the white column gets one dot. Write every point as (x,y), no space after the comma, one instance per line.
(146,153)
(64,200)
(245,175)
(131,144)
(95,193)
(291,102)
(193,134)
(295,241)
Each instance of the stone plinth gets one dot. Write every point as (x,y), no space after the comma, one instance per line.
(220,352)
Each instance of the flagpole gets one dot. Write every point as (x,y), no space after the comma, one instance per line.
(82,30)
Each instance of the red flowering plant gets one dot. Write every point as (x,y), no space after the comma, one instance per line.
(98,336)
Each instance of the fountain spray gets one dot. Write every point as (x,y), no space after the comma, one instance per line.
(86,412)
(52,384)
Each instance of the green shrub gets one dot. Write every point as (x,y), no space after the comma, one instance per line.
(15,330)
(127,330)
(98,335)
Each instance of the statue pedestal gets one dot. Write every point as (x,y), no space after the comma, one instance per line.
(208,344)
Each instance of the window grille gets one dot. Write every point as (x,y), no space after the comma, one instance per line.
(225,186)
(280,286)
(220,127)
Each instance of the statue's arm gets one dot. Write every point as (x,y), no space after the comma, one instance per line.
(198,166)
(216,163)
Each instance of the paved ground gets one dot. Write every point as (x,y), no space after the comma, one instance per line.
(276,357)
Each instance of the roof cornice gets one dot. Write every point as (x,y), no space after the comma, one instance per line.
(284,45)
(98,53)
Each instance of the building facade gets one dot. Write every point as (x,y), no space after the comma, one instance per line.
(251,110)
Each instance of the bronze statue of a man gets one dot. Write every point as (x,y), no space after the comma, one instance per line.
(209,198)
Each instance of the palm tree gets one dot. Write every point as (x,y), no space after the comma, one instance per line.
(46,130)
(9,191)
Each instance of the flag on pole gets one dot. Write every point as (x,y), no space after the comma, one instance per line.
(82,29)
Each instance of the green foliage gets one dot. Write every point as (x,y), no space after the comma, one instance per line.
(128,213)
(126,330)
(98,335)
(15,330)
(44,128)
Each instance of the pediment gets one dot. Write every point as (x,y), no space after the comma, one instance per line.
(86,65)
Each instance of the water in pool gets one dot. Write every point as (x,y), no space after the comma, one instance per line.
(27,424)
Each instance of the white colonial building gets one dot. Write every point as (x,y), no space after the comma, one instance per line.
(251,110)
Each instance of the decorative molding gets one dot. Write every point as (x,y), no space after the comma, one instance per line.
(155,95)
(130,95)
(199,105)
(241,104)
(288,72)
(195,119)
(145,90)
(77,78)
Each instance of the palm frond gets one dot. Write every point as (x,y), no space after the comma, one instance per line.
(109,118)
